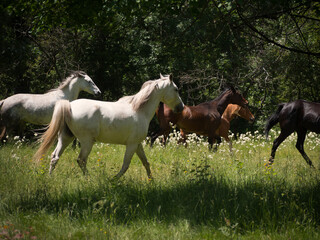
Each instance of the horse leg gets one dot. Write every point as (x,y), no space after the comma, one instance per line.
(144,160)
(21,129)
(211,141)
(63,141)
(283,135)
(166,136)
(299,146)
(217,141)
(183,138)
(130,150)
(156,135)
(86,147)
(74,144)
(230,144)
(2,132)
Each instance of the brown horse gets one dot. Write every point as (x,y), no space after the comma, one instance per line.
(297,116)
(203,119)
(228,115)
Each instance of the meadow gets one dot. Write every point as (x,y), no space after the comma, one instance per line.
(195,193)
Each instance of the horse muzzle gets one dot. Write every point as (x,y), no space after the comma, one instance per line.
(251,120)
(97,93)
(179,108)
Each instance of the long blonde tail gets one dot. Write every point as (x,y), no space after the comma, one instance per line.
(61,115)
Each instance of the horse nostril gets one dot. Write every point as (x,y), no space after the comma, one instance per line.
(97,94)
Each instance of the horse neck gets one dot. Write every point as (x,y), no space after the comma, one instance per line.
(229,114)
(223,102)
(72,90)
(150,107)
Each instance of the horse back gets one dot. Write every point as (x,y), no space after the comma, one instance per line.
(301,114)
(201,119)
(311,116)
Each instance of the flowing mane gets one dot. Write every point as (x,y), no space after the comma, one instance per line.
(67,81)
(221,95)
(139,99)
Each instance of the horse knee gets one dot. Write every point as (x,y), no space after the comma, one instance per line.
(123,170)
(299,146)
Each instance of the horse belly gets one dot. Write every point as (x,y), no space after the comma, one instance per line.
(194,129)
(27,110)
(39,117)
(198,126)
(121,132)
(112,137)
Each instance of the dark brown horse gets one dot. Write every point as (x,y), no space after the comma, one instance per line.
(232,111)
(297,116)
(203,119)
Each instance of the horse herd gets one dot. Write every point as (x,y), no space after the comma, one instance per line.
(126,121)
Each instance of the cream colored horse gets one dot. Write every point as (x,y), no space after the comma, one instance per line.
(18,109)
(123,122)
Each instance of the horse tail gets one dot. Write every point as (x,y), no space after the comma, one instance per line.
(61,116)
(273,120)
(2,125)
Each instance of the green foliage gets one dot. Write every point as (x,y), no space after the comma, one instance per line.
(268,49)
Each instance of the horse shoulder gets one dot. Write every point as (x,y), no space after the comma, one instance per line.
(214,115)
(224,127)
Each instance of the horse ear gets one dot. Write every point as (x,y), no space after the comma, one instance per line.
(232,88)
(161,76)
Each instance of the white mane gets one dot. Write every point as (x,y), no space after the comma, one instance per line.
(139,99)
(67,81)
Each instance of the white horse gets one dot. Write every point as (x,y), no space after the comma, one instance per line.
(37,109)
(123,122)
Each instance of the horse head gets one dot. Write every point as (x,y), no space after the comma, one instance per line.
(245,113)
(171,94)
(236,97)
(86,83)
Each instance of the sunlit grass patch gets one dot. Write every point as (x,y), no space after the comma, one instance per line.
(195,194)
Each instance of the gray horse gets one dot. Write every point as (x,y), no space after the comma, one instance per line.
(37,109)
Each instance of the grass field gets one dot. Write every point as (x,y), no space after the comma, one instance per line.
(195,193)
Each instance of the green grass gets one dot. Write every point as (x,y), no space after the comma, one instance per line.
(195,193)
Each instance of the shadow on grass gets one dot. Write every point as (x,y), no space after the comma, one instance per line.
(211,201)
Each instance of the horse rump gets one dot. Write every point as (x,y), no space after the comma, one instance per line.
(273,120)
(61,115)
(2,125)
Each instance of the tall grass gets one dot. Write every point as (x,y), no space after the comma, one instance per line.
(195,193)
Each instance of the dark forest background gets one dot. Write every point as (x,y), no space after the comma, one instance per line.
(270,50)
